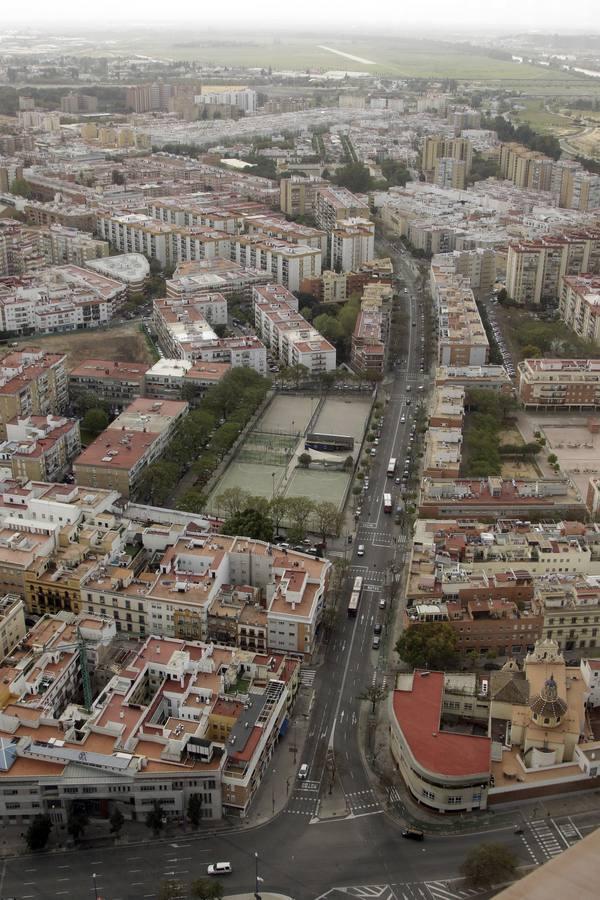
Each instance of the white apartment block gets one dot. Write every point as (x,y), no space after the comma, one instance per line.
(288,264)
(579,306)
(281,326)
(462,340)
(12,623)
(245,98)
(184,330)
(136,233)
(333,204)
(352,243)
(64,298)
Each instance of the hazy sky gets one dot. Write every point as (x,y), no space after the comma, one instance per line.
(573,15)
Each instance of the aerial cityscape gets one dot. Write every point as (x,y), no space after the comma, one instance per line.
(299,452)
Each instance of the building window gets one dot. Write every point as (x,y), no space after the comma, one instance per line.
(454,801)
(428,795)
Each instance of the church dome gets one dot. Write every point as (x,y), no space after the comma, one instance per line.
(547,708)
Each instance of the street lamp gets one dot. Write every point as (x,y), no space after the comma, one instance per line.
(95,886)
(273,477)
(258,879)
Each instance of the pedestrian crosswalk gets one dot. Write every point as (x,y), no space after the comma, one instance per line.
(409,890)
(309,786)
(542,840)
(395,796)
(307,676)
(360,801)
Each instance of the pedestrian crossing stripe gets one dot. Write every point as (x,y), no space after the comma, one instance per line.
(307,676)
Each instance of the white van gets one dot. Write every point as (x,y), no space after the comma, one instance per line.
(221,868)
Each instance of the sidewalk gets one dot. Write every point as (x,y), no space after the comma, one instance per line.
(279,779)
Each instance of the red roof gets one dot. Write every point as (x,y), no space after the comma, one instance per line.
(418,714)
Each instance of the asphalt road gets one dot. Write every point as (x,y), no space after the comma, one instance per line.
(299,855)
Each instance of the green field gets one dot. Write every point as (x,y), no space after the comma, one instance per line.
(400,57)
(540,119)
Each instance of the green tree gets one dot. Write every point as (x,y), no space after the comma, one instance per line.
(77,822)
(328,518)
(489,865)
(250,522)
(428,645)
(394,172)
(329,619)
(94,421)
(304,460)
(354,176)
(155,818)
(206,889)
(192,502)
(118,177)
(502,295)
(531,351)
(38,832)
(374,693)
(299,511)
(233,500)
(117,820)
(329,327)
(157,482)
(172,889)
(21,188)
(278,510)
(194,810)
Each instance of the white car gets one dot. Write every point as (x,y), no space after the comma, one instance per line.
(303,771)
(220,868)
(361,550)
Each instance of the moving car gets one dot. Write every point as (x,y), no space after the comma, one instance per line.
(377,628)
(361,550)
(303,771)
(382,603)
(376,642)
(413,834)
(220,868)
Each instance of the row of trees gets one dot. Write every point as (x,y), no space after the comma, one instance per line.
(260,518)
(357,178)
(204,438)
(523,134)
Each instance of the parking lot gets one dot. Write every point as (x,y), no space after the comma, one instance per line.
(507,357)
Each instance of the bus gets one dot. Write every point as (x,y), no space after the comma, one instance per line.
(355,596)
(387,503)
(391,467)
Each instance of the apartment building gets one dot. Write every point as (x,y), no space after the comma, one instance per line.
(155,95)
(351,244)
(492,378)
(41,448)
(559,383)
(292,232)
(462,340)
(451,150)
(570,609)
(288,264)
(242,98)
(367,355)
(136,233)
(479,266)
(184,330)
(211,276)
(491,626)
(298,195)
(138,437)
(495,496)
(287,333)
(214,740)
(61,245)
(133,269)
(12,623)
(63,298)
(535,269)
(174,379)
(525,168)
(202,578)
(579,305)
(334,204)
(450,173)
(32,382)
(70,215)
(337,287)
(115,382)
